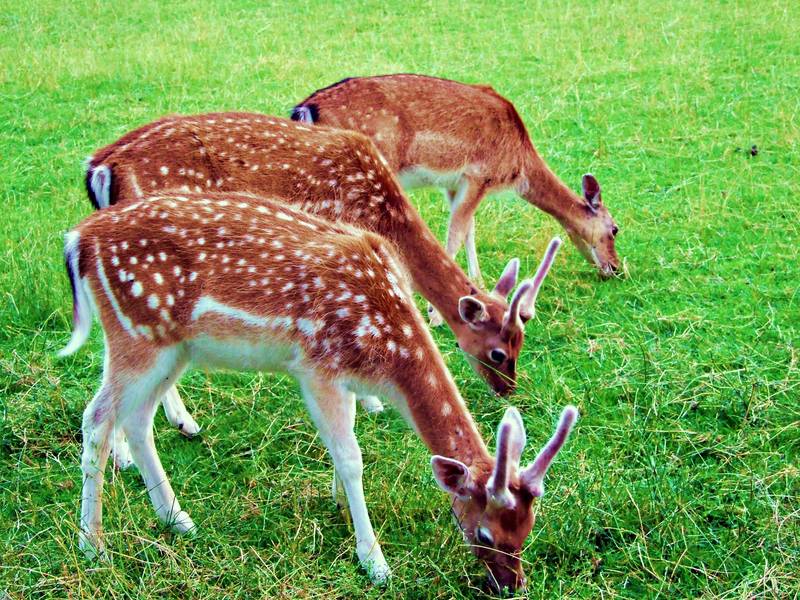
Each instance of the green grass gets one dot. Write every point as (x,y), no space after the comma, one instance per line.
(681,479)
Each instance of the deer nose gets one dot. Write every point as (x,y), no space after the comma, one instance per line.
(503,386)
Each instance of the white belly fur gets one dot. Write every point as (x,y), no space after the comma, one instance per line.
(419,176)
(239,355)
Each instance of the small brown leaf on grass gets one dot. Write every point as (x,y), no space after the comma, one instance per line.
(66,485)
(251,510)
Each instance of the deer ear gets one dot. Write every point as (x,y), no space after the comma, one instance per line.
(591,190)
(472,310)
(452,475)
(508,279)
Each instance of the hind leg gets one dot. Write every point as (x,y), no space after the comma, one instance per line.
(119,449)
(461,227)
(138,426)
(177,414)
(435,318)
(371,404)
(98,424)
(473,268)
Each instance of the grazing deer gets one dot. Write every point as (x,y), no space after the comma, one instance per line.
(231,281)
(468,140)
(335,174)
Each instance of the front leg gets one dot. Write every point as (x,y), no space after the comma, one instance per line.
(333,409)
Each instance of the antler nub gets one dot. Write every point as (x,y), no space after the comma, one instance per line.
(533,476)
(510,442)
(508,279)
(528,309)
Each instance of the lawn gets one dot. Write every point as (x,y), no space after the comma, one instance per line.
(681,478)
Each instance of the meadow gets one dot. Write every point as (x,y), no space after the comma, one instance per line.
(681,478)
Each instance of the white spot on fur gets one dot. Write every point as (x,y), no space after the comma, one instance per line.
(309,327)
(153,301)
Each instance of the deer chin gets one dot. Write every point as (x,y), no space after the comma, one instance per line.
(606,266)
(501,384)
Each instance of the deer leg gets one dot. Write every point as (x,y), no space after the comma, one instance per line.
(139,428)
(461,227)
(98,425)
(371,404)
(473,268)
(332,409)
(120,450)
(177,414)
(337,491)
(434,316)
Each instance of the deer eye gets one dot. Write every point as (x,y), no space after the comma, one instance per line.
(614,230)
(497,356)
(483,537)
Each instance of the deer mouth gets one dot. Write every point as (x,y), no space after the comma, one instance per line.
(607,268)
(501,384)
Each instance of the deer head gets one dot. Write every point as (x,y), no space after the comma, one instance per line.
(496,330)
(495,515)
(594,234)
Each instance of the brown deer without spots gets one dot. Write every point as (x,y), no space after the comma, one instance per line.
(468,140)
(336,174)
(234,281)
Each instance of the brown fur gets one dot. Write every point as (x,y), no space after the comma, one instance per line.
(331,296)
(447,126)
(335,174)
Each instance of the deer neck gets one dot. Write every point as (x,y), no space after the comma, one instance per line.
(434,274)
(438,414)
(542,188)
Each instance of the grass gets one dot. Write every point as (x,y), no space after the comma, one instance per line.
(682,477)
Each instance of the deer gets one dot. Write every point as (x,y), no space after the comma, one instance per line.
(338,175)
(235,281)
(469,141)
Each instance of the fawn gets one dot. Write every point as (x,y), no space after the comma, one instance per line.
(234,281)
(469,141)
